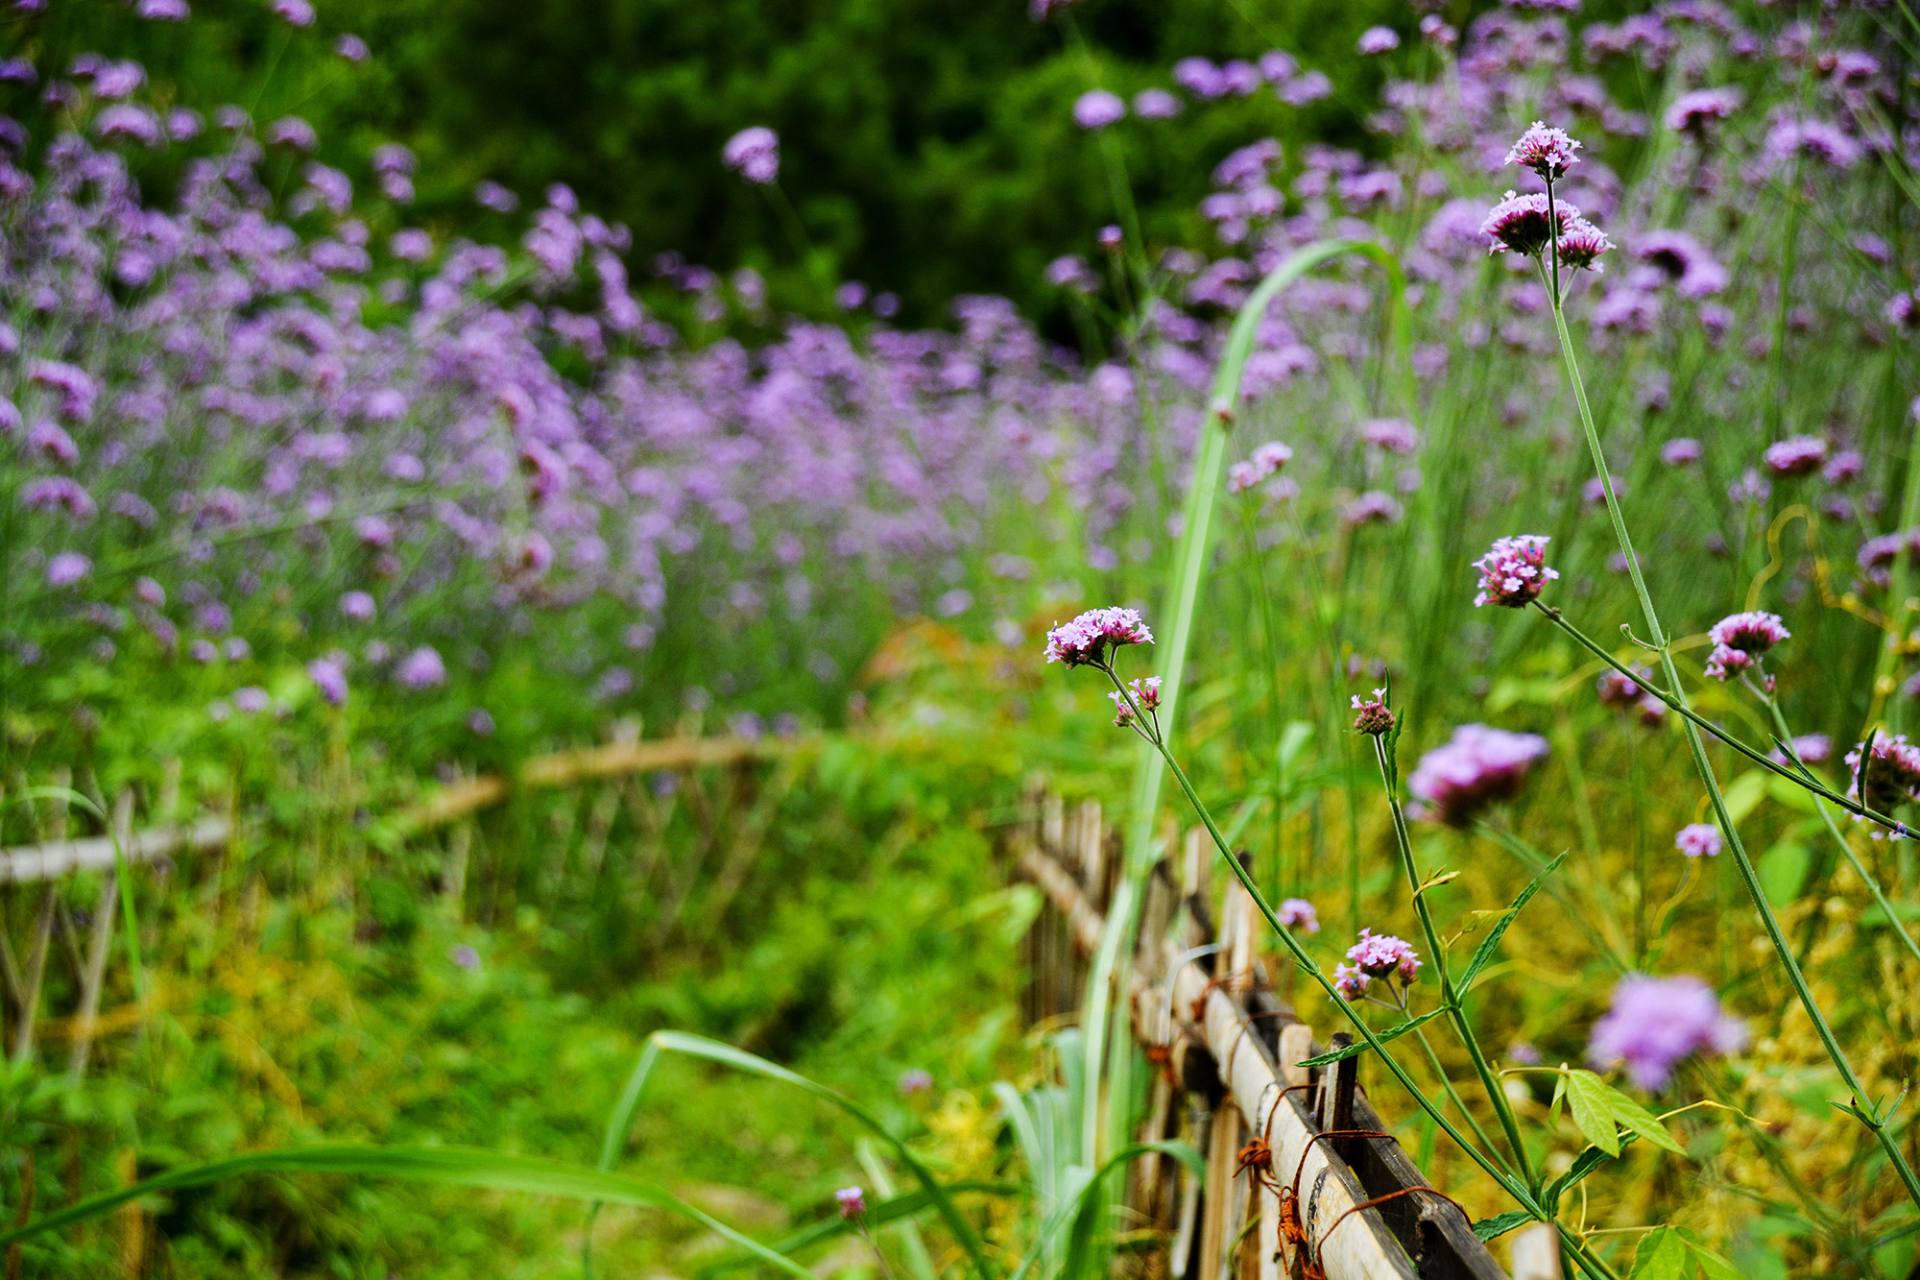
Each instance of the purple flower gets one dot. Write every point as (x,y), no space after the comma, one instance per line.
(421,669)
(1349,981)
(1373,715)
(852,1202)
(356,606)
(1146,696)
(1700,110)
(1394,435)
(162,10)
(1378,40)
(1657,1023)
(1698,840)
(1514,571)
(1812,748)
(251,700)
(295,13)
(754,154)
(1371,507)
(1796,456)
(352,48)
(329,676)
(1891,775)
(67,568)
(1548,152)
(1752,632)
(915,1081)
(1681,451)
(1682,259)
(1518,224)
(1298,913)
(1155,104)
(1384,956)
(465,957)
(1581,246)
(1097,108)
(1477,767)
(1084,640)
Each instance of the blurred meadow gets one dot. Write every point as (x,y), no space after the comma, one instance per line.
(544,551)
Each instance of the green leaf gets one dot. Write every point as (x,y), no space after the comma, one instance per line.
(1783,871)
(1745,792)
(1360,1046)
(1716,1267)
(1593,1110)
(1662,1255)
(1501,1223)
(457,1166)
(1491,943)
(1643,1122)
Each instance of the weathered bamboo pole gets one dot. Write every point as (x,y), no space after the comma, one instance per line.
(1176,988)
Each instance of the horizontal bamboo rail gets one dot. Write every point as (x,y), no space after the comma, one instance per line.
(1202,1008)
(28,863)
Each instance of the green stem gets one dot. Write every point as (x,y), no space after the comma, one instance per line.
(1449,997)
(1839,838)
(1677,703)
(1749,877)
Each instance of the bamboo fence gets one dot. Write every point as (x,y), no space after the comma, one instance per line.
(1282,1196)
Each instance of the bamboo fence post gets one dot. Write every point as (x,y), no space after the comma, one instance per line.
(99,943)
(1536,1252)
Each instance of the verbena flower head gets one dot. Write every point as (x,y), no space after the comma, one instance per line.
(1657,1023)
(1378,40)
(1812,748)
(914,1081)
(754,154)
(1581,246)
(1698,111)
(1372,715)
(1698,840)
(1384,956)
(1479,766)
(1514,571)
(1519,223)
(1298,913)
(1266,460)
(1097,108)
(852,1202)
(1146,696)
(1740,640)
(1890,776)
(1682,451)
(1349,981)
(1548,152)
(1086,638)
(1796,456)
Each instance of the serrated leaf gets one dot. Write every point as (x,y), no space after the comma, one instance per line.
(1483,955)
(1662,1255)
(1360,1046)
(1593,1110)
(1501,1223)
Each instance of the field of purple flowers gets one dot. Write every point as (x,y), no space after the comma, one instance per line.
(1519,497)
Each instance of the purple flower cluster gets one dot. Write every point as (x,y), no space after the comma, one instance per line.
(1085,640)
(1479,766)
(1267,460)
(1514,571)
(1655,1024)
(1740,640)
(1698,840)
(754,154)
(1298,913)
(1375,956)
(1889,776)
